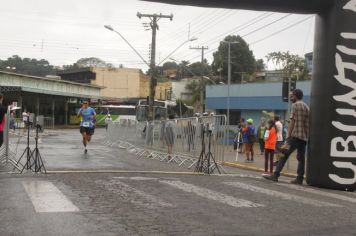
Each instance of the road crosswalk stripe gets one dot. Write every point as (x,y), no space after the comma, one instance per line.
(318,192)
(46,197)
(210,194)
(281,195)
(133,195)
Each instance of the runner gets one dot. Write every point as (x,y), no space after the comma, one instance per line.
(87,122)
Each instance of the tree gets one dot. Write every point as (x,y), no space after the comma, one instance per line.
(194,87)
(292,64)
(91,62)
(242,58)
(88,62)
(198,68)
(27,66)
(169,65)
(260,65)
(183,71)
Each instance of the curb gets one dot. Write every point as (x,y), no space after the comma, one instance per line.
(253,168)
(120,171)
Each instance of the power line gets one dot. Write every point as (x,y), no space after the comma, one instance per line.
(265,26)
(254,31)
(282,30)
(238,28)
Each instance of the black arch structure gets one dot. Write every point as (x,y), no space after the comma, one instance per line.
(331,159)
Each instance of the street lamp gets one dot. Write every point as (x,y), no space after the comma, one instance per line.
(138,54)
(170,54)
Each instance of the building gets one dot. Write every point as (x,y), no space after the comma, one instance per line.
(250,100)
(179,89)
(120,85)
(51,97)
(309,62)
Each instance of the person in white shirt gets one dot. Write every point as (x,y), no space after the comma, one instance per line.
(279,143)
(107,120)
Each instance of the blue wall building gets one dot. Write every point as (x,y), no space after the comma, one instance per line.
(249,100)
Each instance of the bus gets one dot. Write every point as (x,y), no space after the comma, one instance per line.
(117,112)
(162,109)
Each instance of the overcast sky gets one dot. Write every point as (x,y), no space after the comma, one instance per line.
(64,31)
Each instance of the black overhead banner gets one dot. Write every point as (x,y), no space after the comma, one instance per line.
(331,159)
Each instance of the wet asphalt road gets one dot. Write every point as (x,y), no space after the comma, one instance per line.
(150,203)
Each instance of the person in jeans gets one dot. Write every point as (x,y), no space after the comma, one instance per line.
(249,139)
(260,134)
(298,131)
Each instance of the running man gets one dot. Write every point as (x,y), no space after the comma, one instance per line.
(87,121)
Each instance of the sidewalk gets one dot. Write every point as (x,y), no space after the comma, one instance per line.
(239,161)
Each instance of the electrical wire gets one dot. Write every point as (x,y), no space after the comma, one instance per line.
(282,30)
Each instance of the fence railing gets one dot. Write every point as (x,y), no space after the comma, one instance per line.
(18,123)
(182,141)
(6,155)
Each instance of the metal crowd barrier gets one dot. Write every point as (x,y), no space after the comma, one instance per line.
(187,137)
(6,155)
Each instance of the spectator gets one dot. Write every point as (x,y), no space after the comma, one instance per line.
(25,117)
(270,145)
(298,132)
(249,138)
(12,120)
(260,134)
(240,135)
(169,135)
(279,127)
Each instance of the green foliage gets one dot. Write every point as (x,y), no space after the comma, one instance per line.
(27,66)
(169,65)
(183,70)
(198,68)
(260,65)
(195,88)
(88,62)
(242,58)
(293,64)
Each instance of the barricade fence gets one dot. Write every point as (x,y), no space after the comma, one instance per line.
(179,141)
(7,156)
(19,123)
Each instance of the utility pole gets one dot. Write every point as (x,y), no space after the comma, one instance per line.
(228,85)
(153,81)
(228,80)
(202,78)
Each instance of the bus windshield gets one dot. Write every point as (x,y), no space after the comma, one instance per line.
(142,113)
(162,109)
(117,113)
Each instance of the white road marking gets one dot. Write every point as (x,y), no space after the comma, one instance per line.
(136,178)
(239,175)
(281,195)
(318,192)
(46,197)
(140,178)
(135,196)
(212,195)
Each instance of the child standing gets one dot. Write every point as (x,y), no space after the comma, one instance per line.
(270,146)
